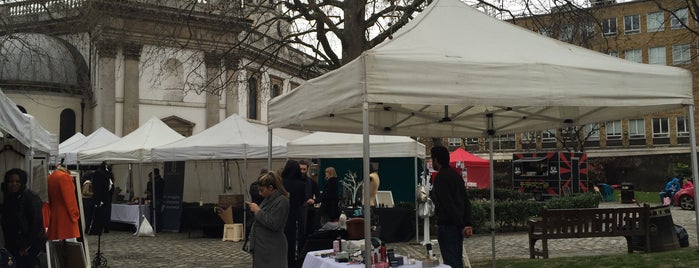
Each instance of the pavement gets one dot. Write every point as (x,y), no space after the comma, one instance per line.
(123,249)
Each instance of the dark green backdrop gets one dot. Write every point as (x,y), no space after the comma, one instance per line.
(397,174)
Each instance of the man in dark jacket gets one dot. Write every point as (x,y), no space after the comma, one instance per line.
(452,207)
(295,184)
(101,186)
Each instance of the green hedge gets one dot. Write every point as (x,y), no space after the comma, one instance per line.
(512,213)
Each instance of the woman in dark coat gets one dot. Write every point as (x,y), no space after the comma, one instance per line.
(329,198)
(267,240)
(295,184)
(22,220)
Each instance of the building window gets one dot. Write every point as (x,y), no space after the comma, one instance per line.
(566,34)
(588,31)
(548,136)
(252,98)
(632,24)
(679,18)
(67,125)
(633,55)
(637,129)
(613,130)
(608,26)
(454,142)
(591,132)
(276,91)
(545,31)
(680,54)
(655,21)
(613,54)
(682,128)
(656,55)
(660,128)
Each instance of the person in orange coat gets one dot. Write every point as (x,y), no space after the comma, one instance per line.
(65,214)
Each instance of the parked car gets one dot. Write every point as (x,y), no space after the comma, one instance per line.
(684,198)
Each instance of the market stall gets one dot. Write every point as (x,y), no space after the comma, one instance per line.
(453,72)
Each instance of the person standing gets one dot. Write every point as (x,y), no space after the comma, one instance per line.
(22,220)
(101,187)
(374,183)
(158,193)
(452,207)
(65,215)
(294,183)
(329,197)
(267,241)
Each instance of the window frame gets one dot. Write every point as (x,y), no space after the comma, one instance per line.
(606,23)
(661,127)
(548,136)
(651,56)
(566,33)
(451,142)
(591,128)
(634,51)
(615,127)
(635,20)
(651,28)
(685,131)
(675,22)
(685,59)
(636,131)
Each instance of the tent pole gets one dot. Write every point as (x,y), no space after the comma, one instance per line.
(269,149)
(693,153)
(417,228)
(367,197)
(491,133)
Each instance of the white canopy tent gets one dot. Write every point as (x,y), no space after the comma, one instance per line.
(133,148)
(73,139)
(231,139)
(98,138)
(342,145)
(25,128)
(29,148)
(456,72)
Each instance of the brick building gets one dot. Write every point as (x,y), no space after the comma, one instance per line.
(646,31)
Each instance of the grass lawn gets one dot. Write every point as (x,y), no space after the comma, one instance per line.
(684,257)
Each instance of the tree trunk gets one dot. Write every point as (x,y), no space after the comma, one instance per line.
(353,39)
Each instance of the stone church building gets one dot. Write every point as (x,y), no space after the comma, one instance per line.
(78,65)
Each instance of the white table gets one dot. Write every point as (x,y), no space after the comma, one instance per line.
(126,213)
(313,260)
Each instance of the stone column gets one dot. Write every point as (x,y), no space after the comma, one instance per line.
(132,54)
(213,88)
(106,98)
(231,85)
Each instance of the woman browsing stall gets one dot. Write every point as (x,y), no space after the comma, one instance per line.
(267,240)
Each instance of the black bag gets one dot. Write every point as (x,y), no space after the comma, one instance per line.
(682,236)
(6,259)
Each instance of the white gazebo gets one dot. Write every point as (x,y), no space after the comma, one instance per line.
(456,72)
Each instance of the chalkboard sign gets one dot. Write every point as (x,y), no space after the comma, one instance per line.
(172,195)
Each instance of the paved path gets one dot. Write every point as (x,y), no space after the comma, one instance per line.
(122,249)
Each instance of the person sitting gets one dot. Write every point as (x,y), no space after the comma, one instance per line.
(687,184)
(670,189)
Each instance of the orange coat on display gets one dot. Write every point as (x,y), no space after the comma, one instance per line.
(64,206)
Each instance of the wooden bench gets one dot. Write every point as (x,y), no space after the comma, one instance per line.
(589,222)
